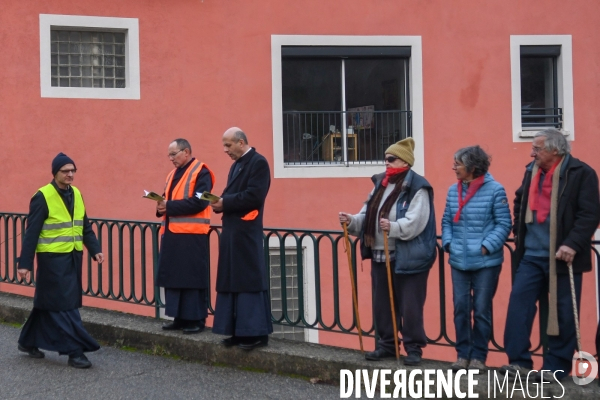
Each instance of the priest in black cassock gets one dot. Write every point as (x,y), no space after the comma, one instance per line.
(183,260)
(242,308)
(57,230)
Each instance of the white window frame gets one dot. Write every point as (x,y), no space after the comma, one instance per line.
(341,170)
(564,88)
(77,22)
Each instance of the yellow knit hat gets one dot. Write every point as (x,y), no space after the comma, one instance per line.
(404,150)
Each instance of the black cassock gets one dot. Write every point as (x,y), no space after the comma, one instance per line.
(183,260)
(242,307)
(54,323)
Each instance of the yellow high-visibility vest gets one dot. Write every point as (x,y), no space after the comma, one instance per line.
(60,233)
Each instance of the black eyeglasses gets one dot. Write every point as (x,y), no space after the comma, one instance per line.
(68,171)
(391,159)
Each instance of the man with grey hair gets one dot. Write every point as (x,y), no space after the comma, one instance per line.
(242,307)
(557,210)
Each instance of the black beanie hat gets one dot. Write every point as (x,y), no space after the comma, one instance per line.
(59,161)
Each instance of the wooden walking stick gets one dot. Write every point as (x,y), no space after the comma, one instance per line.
(354,293)
(575,313)
(391,290)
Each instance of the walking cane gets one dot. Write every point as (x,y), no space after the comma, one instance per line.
(575,314)
(391,290)
(354,293)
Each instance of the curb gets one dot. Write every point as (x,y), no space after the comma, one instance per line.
(320,363)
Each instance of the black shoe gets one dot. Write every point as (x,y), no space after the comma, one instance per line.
(79,362)
(172,326)
(413,358)
(253,343)
(231,341)
(33,352)
(188,330)
(378,355)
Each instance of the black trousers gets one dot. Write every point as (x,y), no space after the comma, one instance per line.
(410,291)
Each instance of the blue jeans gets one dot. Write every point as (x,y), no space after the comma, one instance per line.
(473,293)
(531,282)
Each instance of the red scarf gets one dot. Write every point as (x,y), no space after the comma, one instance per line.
(473,188)
(389,172)
(540,202)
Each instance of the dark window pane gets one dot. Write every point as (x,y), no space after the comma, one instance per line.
(120,61)
(97,83)
(109,49)
(64,82)
(109,83)
(378,83)
(54,82)
(120,72)
(75,71)
(54,47)
(119,38)
(86,82)
(120,83)
(75,59)
(64,71)
(311,85)
(75,36)
(63,60)
(109,60)
(86,59)
(538,91)
(109,38)
(53,71)
(63,36)
(63,48)
(75,82)
(120,49)
(54,60)
(75,48)
(54,36)
(86,37)
(97,71)
(86,71)
(109,72)
(96,37)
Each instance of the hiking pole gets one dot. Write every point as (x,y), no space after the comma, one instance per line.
(391,290)
(354,293)
(575,314)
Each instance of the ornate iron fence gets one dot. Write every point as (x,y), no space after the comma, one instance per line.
(306,261)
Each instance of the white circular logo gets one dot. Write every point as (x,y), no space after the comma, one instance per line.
(585,368)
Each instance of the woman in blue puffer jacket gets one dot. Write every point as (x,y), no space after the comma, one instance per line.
(475,225)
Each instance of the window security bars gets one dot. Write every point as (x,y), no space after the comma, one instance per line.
(88,59)
(342,137)
(542,117)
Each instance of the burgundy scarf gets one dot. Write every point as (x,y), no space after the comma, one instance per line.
(473,188)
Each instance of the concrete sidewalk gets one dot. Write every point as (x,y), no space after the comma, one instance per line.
(281,356)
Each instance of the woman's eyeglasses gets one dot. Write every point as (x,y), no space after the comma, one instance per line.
(391,159)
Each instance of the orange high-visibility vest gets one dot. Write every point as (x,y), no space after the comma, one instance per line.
(196,223)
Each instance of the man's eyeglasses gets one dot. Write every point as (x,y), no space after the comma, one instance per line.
(536,149)
(456,166)
(391,159)
(172,155)
(68,171)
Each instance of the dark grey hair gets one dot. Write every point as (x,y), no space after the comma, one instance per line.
(183,144)
(475,160)
(239,135)
(555,140)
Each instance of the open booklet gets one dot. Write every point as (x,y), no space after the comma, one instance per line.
(152,196)
(207,196)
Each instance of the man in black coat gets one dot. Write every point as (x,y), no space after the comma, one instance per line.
(57,227)
(242,308)
(557,210)
(183,260)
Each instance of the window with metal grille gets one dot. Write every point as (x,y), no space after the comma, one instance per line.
(289,287)
(343,104)
(87,59)
(539,87)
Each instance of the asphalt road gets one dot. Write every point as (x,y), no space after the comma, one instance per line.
(123,374)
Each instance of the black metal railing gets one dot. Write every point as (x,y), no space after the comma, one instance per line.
(320,138)
(542,117)
(308,272)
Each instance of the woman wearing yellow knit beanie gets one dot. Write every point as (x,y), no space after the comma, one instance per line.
(401,203)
